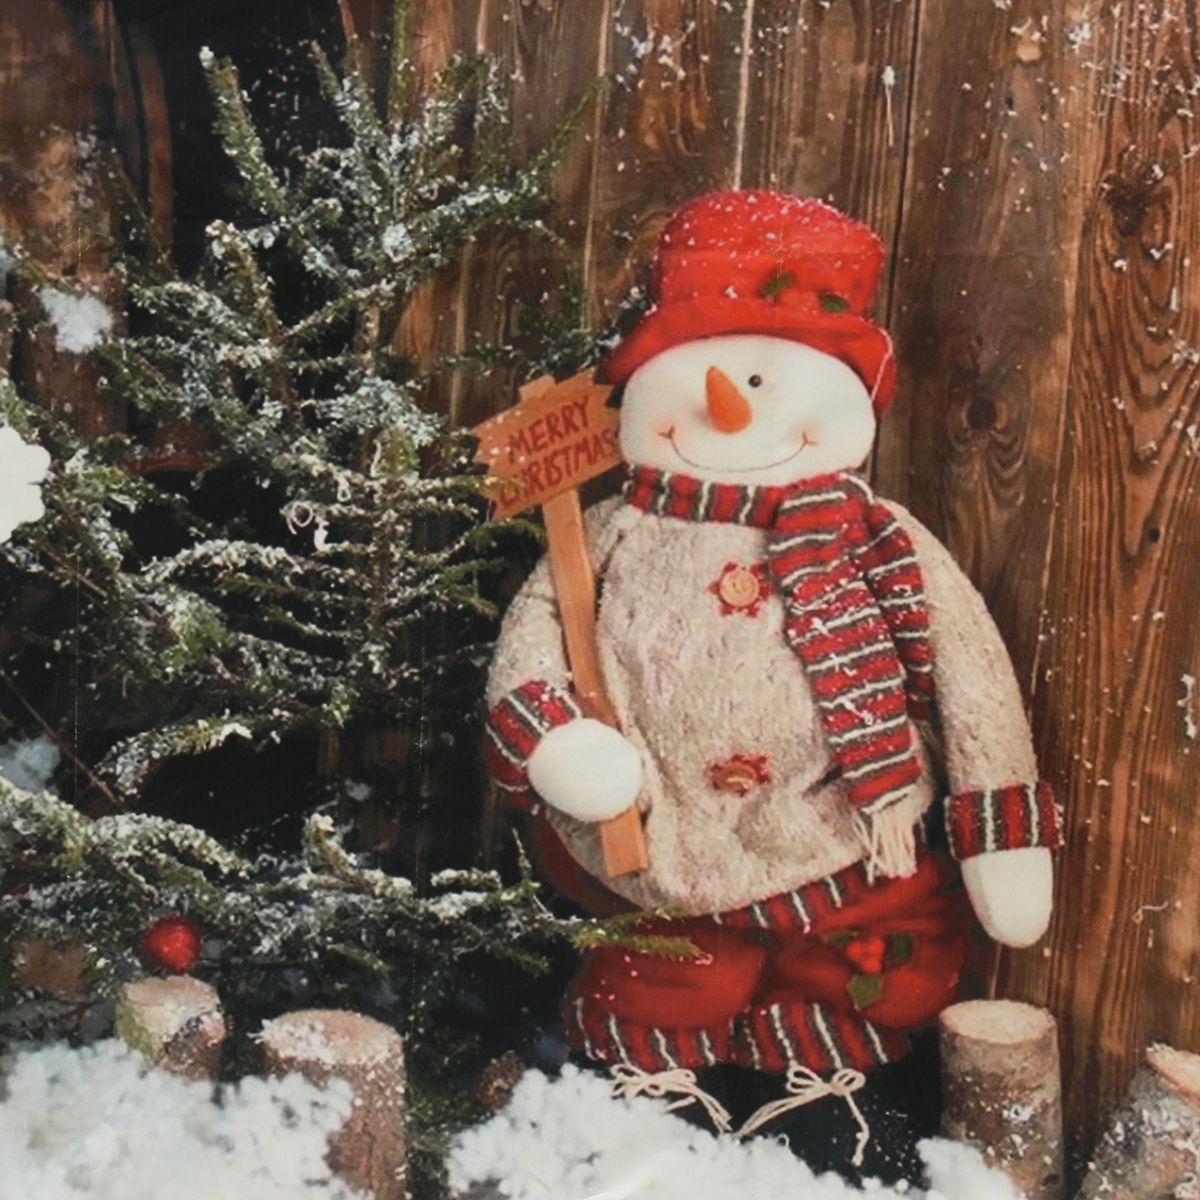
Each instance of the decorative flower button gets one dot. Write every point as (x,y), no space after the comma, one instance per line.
(741,588)
(740,774)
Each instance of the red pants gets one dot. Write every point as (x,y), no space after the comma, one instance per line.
(829,976)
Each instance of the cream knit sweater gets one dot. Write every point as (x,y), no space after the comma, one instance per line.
(695,684)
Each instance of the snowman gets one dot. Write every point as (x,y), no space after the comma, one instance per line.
(817,715)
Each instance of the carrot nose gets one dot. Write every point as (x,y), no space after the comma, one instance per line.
(728,409)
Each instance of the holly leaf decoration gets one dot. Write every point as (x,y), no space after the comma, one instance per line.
(840,937)
(899,949)
(864,990)
(776,285)
(831,302)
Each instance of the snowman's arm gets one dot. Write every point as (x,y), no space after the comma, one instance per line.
(1001,818)
(529,698)
(529,689)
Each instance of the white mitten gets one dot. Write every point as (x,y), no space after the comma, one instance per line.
(587,770)
(1011,891)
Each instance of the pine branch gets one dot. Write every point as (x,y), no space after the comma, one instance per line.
(239,137)
(399,68)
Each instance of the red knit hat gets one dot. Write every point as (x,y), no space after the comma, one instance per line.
(765,262)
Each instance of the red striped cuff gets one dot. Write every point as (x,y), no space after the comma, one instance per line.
(515,726)
(1014,817)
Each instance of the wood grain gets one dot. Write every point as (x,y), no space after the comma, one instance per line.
(622,839)
(1114,710)
(827,103)
(1034,166)
(669,129)
(552,53)
(436,319)
(982,291)
(57,67)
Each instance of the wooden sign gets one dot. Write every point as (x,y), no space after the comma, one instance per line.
(558,437)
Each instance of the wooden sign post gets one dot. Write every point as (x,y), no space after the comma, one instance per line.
(558,437)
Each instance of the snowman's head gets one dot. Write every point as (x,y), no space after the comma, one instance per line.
(746,409)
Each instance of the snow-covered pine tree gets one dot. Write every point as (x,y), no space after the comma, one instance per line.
(283,542)
(324,560)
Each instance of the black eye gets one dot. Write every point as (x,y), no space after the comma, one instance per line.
(755,381)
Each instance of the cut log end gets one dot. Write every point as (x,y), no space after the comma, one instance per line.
(998,1022)
(330,1038)
(59,970)
(1150,1145)
(1179,1069)
(1001,1090)
(175,1023)
(369,1151)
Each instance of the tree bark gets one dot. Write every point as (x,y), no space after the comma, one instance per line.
(369,1152)
(1150,1149)
(1002,1093)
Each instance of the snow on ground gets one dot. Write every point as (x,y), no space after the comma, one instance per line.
(97,1123)
(567,1139)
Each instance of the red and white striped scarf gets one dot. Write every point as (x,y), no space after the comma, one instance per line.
(854,615)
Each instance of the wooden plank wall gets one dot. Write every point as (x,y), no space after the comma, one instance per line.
(1035,167)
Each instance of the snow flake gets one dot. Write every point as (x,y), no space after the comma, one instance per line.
(888,78)
(1188,703)
(321,533)
(29,764)
(23,470)
(1079,35)
(397,242)
(80,322)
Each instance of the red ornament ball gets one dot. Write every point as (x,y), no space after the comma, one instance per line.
(172,943)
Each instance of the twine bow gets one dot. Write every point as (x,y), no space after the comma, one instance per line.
(629,1081)
(804,1087)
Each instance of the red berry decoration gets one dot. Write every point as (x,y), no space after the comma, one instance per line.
(172,944)
(867,953)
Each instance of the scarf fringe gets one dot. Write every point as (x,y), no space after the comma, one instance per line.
(889,838)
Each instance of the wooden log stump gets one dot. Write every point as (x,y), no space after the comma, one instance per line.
(1150,1149)
(369,1151)
(58,969)
(1001,1090)
(175,1023)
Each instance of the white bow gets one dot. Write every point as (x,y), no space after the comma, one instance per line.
(629,1081)
(805,1086)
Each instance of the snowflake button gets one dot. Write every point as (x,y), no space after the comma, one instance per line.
(740,774)
(741,588)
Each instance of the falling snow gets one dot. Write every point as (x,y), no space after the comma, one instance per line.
(1188,704)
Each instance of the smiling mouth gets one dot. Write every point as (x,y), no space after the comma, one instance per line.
(779,462)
